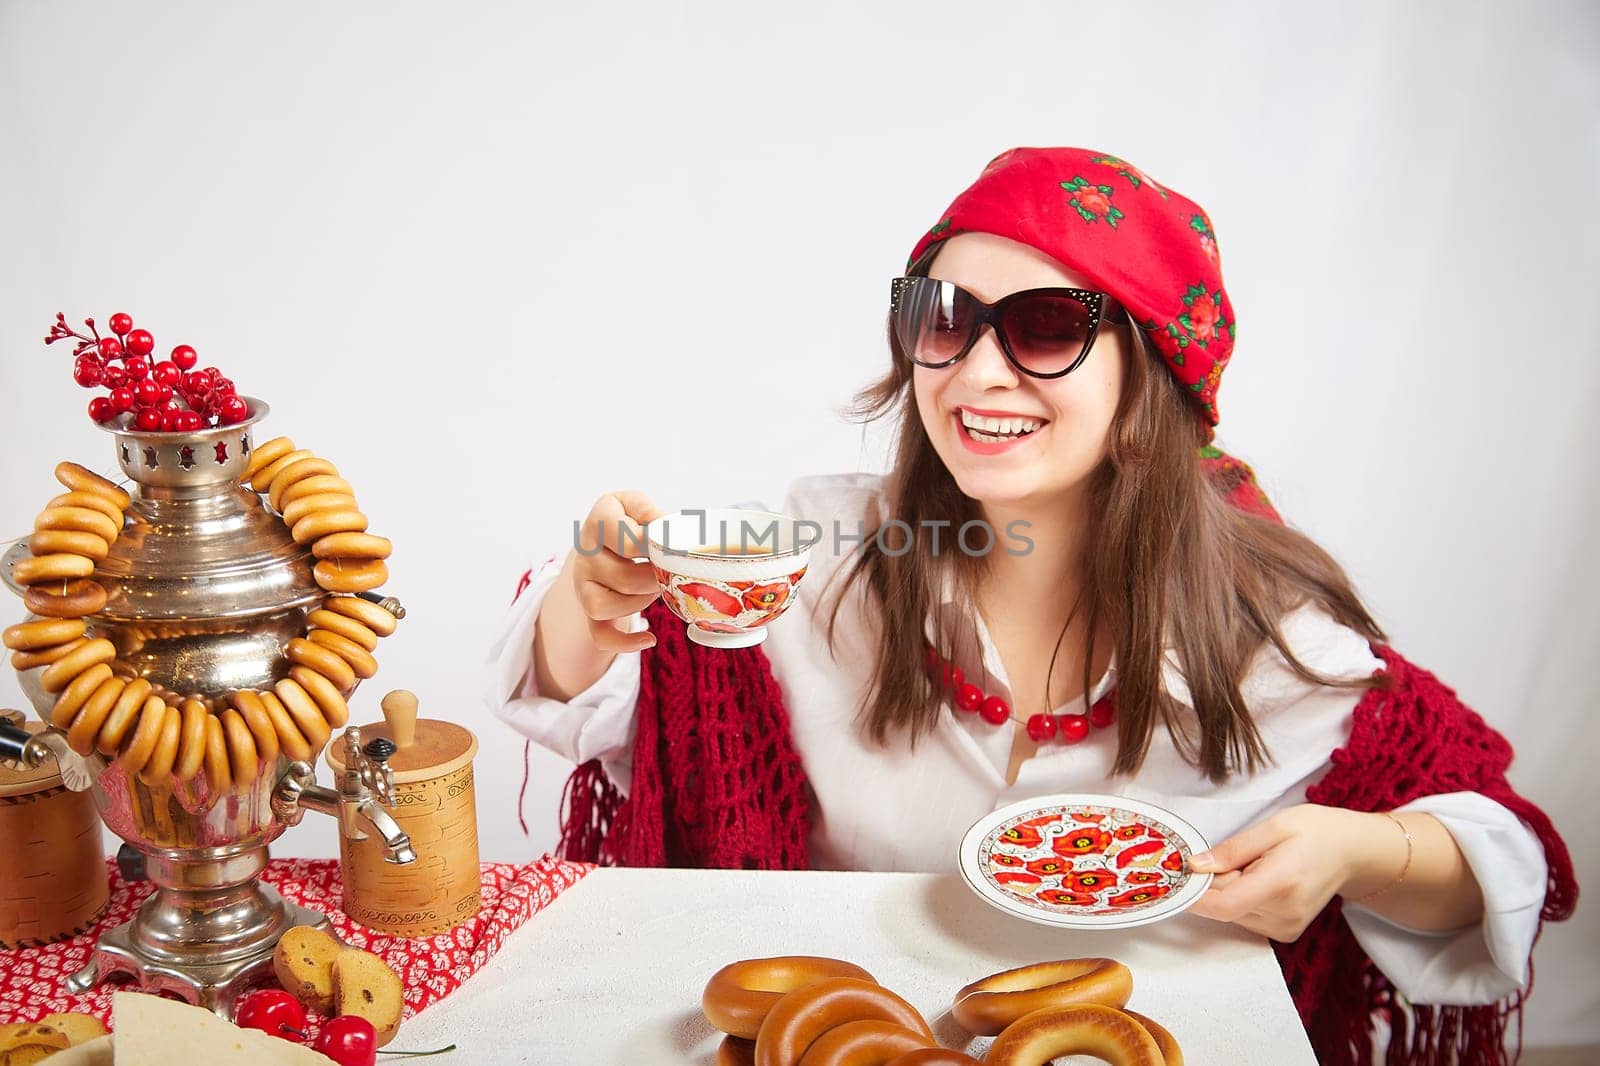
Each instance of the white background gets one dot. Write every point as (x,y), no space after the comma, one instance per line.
(495,260)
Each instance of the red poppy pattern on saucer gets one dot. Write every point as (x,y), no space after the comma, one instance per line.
(1085,860)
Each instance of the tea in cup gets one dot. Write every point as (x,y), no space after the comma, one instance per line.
(728,573)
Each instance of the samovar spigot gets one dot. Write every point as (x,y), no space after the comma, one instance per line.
(366,789)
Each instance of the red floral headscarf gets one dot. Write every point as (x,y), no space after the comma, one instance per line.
(1148,246)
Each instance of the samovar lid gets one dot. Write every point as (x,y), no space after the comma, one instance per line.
(439,748)
(16,782)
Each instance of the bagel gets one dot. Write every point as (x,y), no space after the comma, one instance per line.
(92,716)
(860,1043)
(270,452)
(192,750)
(350,575)
(344,626)
(82,479)
(261,480)
(934,1056)
(27,660)
(319,524)
(298,470)
(322,501)
(59,674)
(376,618)
(138,748)
(1081,1029)
(989,1004)
(79,519)
(219,771)
(77,693)
(352,546)
(92,500)
(254,713)
(303,709)
(360,660)
(316,485)
(62,566)
(48,541)
(291,741)
(157,770)
(44,633)
(71,599)
(124,713)
(801,1016)
(330,702)
(738,996)
(242,757)
(323,660)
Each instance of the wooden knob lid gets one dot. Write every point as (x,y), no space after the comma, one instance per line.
(400,712)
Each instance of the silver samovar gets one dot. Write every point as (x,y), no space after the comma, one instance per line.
(205,588)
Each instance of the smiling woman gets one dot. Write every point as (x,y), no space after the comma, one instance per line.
(1056,347)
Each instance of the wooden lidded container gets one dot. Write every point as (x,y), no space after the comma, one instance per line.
(436,805)
(53,881)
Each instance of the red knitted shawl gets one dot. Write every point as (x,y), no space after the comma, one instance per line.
(717,782)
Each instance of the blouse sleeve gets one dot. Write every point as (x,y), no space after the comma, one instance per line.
(1483,962)
(597,723)
(1477,964)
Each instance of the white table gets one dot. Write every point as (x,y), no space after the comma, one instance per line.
(612,971)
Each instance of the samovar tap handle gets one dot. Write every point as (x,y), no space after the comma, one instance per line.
(17,745)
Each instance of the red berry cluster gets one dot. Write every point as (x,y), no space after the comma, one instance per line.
(348,1040)
(169,395)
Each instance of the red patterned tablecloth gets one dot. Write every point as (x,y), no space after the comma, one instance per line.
(431,967)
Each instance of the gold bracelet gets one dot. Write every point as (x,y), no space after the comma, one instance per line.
(1403,870)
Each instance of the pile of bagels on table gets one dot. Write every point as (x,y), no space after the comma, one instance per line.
(803,1010)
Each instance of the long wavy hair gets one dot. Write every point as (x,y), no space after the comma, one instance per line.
(1168,562)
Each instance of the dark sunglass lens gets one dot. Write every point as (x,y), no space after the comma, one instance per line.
(1047,332)
(931,320)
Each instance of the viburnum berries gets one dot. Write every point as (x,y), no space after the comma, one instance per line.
(168,394)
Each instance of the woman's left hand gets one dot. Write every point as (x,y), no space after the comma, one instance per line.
(1276,876)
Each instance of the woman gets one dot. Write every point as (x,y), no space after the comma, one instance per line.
(1140,624)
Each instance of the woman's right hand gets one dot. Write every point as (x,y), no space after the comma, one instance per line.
(582,623)
(611,585)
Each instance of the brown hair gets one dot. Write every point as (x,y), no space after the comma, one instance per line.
(1169,559)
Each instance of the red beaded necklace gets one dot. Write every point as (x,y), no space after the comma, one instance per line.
(965,696)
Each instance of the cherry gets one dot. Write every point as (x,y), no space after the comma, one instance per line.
(136,368)
(139,342)
(167,372)
(233,410)
(272,1010)
(121,323)
(148,392)
(100,409)
(349,1040)
(1041,727)
(1103,714)
(213,373)
(165,394)
(224,386)
(191,421)
(115,377)
(148,419)
(196,382)
(185,357)
(88,374)
(110,347)
(122,399)
(169,420)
